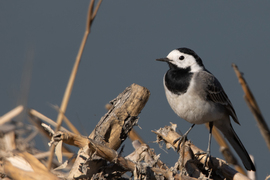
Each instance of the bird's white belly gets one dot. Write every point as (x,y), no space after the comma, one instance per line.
(193,108)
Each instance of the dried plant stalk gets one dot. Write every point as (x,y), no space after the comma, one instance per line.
(37,123)
(24,166)
(130,163)
(33,113)
(168,135)
(62,110)
(11,114)
(252,104)
(113,127)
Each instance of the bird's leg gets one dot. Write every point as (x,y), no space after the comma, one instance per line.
(182,138)
(208,155)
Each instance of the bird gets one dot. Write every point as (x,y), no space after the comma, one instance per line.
(197,96)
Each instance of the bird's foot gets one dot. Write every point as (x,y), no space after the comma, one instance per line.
(208,158)
(183,138)
(180,140)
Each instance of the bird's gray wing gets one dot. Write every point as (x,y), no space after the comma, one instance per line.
(215,93)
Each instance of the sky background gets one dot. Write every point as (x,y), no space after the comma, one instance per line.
(42,38)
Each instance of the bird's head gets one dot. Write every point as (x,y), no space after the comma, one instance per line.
(184,58)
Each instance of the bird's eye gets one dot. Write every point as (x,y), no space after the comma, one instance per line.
(181,58)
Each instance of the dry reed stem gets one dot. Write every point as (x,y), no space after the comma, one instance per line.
(24,166)
(33,112)
(252,104)
(67,121)
(133,135)
(11,114)
(62,110)
(37,123)
(71,126)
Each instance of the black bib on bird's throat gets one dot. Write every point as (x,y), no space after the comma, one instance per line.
(177,80)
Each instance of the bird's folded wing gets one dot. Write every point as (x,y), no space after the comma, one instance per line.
(216,94)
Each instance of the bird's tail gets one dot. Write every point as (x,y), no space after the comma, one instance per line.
(234,140)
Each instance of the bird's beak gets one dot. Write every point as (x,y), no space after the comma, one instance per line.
(164,59)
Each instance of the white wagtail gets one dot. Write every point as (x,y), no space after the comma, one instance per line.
(196,95)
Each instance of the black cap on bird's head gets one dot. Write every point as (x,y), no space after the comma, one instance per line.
(191,52)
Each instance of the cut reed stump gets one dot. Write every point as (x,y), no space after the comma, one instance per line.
(112,129)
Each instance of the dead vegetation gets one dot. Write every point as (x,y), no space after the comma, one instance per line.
(97,157)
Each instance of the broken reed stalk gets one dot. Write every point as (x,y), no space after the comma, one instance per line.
(114,126)
(25,166)
(168,135)
(67,121)
(71,126)
(33,113)
(125,164)
(252,104)
(133,136)
(37,123)
(126,106)
(11,114)
(90,18)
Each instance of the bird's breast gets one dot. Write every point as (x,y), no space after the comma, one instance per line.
(193,106)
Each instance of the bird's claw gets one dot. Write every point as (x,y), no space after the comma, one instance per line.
(180,141)
(208,158)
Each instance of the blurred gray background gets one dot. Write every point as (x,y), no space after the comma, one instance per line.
(42,38)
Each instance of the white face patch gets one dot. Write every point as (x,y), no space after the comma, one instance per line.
(183,60)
